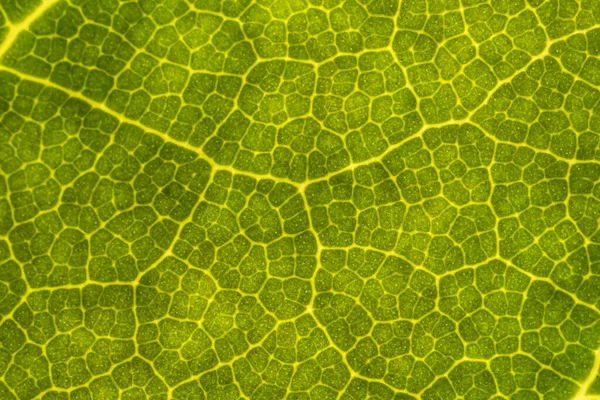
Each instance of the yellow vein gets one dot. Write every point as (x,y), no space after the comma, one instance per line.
(15,30)
(585,386)
(124,120)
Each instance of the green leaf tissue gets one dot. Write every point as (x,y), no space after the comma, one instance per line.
(299,199)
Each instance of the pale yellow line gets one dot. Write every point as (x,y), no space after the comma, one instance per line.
(590,379)
(124,120)
(15,30)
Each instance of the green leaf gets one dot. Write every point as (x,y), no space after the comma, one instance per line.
(301,199)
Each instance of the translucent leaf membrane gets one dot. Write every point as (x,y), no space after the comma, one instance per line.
(299,199)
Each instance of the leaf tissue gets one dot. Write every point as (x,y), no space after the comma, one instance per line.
(299,199)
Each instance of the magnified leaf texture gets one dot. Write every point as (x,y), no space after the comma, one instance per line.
(299,199)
